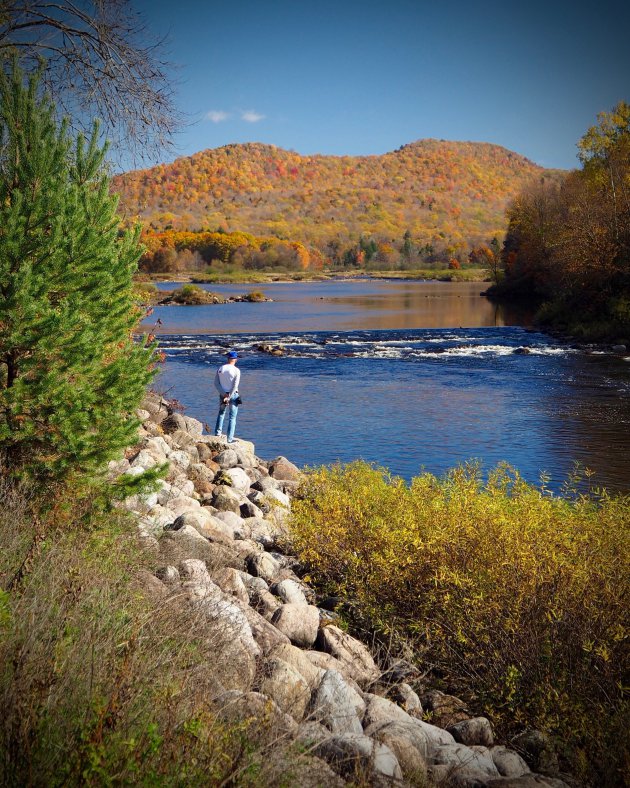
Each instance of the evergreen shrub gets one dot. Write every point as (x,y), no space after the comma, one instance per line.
(71,374)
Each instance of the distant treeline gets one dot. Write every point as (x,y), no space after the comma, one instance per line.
(568,242)
(173,251)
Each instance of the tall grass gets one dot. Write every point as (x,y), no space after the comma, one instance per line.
(105,678)
(514,599)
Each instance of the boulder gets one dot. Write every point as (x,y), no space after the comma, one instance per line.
(508,762)
(298,622)
(298,660)
(226,459)
(193,426)
(354,753)
(202,478)
(146,459)
(355,657)
(537,750)
(281,468)
(336,705)
(327,662)
(265,603)
(249,510)
(283,684)
(235,523)
(182,504)
(226,500)
(180,459)
(265,634)
(230,582)
(266,483)
(445,709)
(464,761)
(380,710)
(262,531)
(168,574)
(263,565)
(407,699)
(409,745)
(240,480)
(474,731)
(173,422)
(205,524)
(290,592)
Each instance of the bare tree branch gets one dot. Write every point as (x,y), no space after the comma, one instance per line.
(99,61)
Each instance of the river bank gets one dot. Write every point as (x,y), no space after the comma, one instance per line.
(218,527)
(262,277)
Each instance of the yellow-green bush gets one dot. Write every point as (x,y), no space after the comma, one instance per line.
(508,594)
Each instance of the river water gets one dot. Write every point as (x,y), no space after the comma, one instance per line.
(408,375)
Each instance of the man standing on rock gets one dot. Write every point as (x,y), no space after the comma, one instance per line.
(226,383)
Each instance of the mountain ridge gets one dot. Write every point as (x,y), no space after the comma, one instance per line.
(446,193)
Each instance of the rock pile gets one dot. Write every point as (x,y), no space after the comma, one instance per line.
(217,526)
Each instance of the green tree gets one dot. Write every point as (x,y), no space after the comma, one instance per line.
(71,374)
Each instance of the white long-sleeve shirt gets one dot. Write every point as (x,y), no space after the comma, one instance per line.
(227,379)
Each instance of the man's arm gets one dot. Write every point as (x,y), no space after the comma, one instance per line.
(235,382)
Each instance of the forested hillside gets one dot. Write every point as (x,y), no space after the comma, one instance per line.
(431,197)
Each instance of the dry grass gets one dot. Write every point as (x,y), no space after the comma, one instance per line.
(107,677)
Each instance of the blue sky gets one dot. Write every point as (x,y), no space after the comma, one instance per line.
(367,77)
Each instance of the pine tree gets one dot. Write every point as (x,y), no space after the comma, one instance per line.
(71,374)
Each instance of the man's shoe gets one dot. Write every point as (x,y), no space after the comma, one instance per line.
(218,434)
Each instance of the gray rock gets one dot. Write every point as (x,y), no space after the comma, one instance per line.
(380,710)
(249,509)
(354,752)
(236,524)
(262,531)
(263,565)
(226,500)
(336,705)
(508,762)
(464,760)
(619,348)
(298,622)
(407,699)
(265,634)
(266,483)
(227,459)
(537,750)
(289,591)
(298,660)
(474,731)
(253,584)
(408,743)
(283,684)
(260,501)
(182,504)
(230,582)
(265,603)
(355,657)
(240,480)
(326,662)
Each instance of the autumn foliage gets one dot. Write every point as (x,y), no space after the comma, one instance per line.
(428,200)
(568,240)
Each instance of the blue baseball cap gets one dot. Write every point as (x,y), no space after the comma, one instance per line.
(232,354)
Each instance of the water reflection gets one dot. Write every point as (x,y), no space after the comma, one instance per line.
(343,306)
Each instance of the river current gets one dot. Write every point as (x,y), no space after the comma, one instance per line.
(409,375)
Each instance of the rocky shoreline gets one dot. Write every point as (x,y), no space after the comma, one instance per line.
(216,530)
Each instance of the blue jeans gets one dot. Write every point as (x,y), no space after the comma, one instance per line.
(223,406)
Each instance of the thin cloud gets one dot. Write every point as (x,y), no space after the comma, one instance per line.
(217,115)
(251,116)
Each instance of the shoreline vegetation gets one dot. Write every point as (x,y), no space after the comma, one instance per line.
(567,246)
